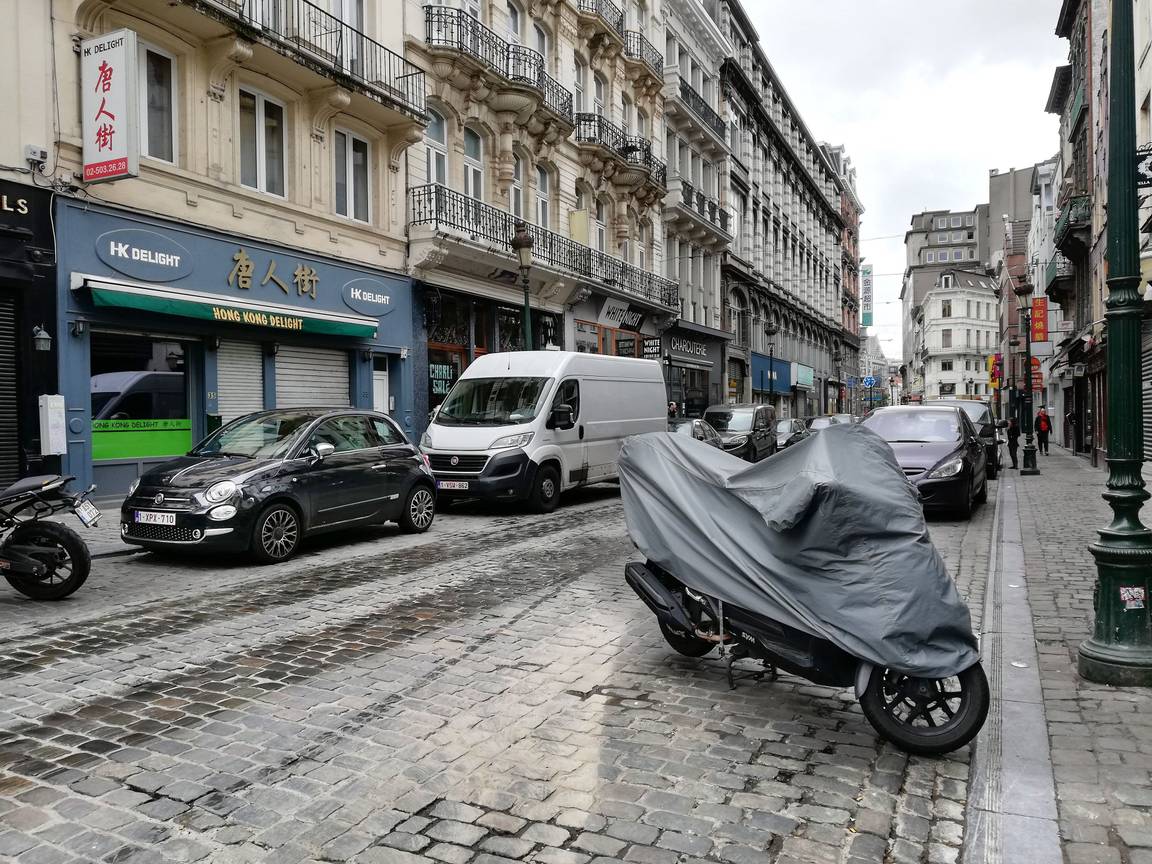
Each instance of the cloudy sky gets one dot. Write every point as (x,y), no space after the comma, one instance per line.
(927,97)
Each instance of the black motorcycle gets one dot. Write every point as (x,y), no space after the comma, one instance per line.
(41,559)
(926,716)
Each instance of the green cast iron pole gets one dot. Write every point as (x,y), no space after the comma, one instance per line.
(1120,650)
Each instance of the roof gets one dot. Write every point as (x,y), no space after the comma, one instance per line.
(1061,85)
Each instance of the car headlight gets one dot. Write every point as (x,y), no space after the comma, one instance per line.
(948,468)
(736,442)
(520,440)
(221,491)
(426,440)
(132,488)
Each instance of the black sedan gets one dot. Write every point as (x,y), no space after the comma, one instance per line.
(940,452)
(265,481)
(789,432)
(980,413)
(701,430)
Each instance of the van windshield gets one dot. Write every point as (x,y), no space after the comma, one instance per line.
(730,421)
(492,401)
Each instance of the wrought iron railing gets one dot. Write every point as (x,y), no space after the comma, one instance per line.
(704,206)
(1058,268)
(637,46)
(1076,211)
(456,29)
(598,129)
(638,151)
(701,108)
(442,207)
(318,37)
(607,10)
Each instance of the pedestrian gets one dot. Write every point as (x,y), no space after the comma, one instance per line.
(1043,428)
(673,411)
(1013,439)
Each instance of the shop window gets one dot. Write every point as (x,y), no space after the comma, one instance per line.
(261,143)
(351,174)
(158,104)
(444,367)
(587,337)
(139,398)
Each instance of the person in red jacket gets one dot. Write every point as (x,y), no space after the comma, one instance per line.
(1043,428)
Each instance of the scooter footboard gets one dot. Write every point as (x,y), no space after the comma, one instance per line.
(657,597)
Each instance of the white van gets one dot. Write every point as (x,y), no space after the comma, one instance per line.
(527,425)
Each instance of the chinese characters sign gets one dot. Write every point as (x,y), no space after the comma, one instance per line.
(305,280)
(866,295)
(1039,319)
(108,82)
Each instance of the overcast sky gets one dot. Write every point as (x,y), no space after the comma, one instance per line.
(927,97)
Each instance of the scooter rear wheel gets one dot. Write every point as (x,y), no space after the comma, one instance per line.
(685,643)
(927,716)
(63,553)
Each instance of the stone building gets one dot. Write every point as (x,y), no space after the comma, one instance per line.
(851,211)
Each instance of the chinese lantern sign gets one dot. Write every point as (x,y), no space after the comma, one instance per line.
(109,103)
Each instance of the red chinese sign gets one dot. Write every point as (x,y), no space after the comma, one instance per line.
(108,81)
(1039,319)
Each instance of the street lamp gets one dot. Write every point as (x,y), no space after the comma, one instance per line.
(837,359)
(1023,291)
(1120,650)
(770,330)
(522,243)
(968,382)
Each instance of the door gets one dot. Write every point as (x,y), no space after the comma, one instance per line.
(392,468)
(9,428)
(573,452)
(239,379)
(380,385)
(344,487)
(762,435)
(311,378)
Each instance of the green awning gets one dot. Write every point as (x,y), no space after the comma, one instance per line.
(265,316)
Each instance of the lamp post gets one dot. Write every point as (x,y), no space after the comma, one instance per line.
(770,330)
(522,243)
(1022,288)
(837,359)
(1120,650)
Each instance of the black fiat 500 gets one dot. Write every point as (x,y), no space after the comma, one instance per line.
(265,481)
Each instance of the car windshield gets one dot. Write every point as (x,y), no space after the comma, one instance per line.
(918,427)
(730,421)
(492,401)
(820,423)
(264,436)
(783,427)
(680,427)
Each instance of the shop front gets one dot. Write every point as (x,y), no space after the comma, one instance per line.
(772,383)
(804,394)
(27,329)
(168,331)
(694,367)
(607,325)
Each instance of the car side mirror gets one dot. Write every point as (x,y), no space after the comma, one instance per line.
(987,430)
(561,417)
(1001,424)
(322,451)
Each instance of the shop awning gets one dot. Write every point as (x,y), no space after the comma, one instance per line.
(188,304)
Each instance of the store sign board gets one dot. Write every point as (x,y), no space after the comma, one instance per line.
(1039,319)
(621,315)
(803,376)
(145,255)
(109,105)
(689,349)
(368,297)
(866,295)
(651,348)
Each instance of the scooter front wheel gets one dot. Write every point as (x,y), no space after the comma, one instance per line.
(927,716)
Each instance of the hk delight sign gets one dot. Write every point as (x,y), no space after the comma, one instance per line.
(110,106)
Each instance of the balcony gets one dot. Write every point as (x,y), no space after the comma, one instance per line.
(445,224)
(313,38)
(1073,227)
(691,114)
(698,215)
(1059,279)
(625,159)
(465,52)
(642,56)
(638,152)
(601,21)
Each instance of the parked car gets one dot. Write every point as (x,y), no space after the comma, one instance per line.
(847,418)
(789,432)
(745,430)
(940,451)
(528,425)
(701,430)
(138,395)
(815,424)
(267,480)
(980,413)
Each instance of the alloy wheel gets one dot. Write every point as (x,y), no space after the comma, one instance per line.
(922,702)
(421,508)
(279,532)
(54,557)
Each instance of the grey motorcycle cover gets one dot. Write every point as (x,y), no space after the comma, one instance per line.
(827,536)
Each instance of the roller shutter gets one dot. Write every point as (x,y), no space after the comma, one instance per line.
(311,377)
(9,430)
(239,379)
(1146,385)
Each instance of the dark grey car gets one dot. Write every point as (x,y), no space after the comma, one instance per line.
(980,413)
(745,430)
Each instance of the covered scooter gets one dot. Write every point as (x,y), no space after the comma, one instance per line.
(816,561)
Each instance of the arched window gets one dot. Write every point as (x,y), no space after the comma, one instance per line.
(543,197)
(599,224)
(581,85)
(642,125)
(541,41)
(516,193)
(473,165)
(436,141)
(514,17)
(625,113)
(599,88)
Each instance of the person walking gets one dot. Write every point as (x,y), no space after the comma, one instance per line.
(673,411)
(1043,428)
(1013,439)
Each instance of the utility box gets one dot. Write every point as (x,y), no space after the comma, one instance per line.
(53,427)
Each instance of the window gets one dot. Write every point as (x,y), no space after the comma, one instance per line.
(598,88)
(946,279)
(941,238)
(351,175)
(971,235)
(955,221)
(958,255)
(516,193)
(945,308)
(969,220)
(541,42)
(971,254)
(968,338)
(942,222)
(581,83)
(642,125)
(599,231)
(931,257)
(514,23)
(642,246)
(436,140)
(346,434)
(261,143)
(473,165)
(543,197)
(157,105)
(945,365)
(967,308)
(386,432)
(625,113)
(946,338)
(568,393)
(957,236)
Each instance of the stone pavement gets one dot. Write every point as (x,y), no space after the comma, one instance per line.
(489,692)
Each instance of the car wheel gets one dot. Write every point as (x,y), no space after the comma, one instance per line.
(992,469)
(982,492)
(419,510)
(276,535)
(966,506)
(546,490)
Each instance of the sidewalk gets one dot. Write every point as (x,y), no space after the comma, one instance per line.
(104,539)
(1101,752)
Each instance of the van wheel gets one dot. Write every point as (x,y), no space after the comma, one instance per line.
(546,490)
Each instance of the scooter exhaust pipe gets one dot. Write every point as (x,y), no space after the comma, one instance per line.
(658,598)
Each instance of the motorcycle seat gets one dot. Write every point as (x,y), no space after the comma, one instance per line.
(28,484)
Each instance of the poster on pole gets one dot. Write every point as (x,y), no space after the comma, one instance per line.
(866,295)
(108,100)
(1039,319)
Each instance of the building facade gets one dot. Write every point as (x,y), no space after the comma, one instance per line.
(960,331)
(782,273)
(874,367)
(851,212)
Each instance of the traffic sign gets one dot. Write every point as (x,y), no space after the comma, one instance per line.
(869,381)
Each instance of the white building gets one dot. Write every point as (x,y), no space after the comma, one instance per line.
(960,331)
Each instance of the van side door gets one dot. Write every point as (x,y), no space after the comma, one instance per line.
(573,451)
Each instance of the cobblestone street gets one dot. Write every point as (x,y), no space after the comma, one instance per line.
(488,691)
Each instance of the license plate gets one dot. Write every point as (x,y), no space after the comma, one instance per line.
(455,485)
(87,513)
(146,518)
